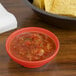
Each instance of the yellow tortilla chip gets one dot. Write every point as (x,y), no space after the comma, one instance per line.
(61,7)
(48,5)
(39,3)
(64,7)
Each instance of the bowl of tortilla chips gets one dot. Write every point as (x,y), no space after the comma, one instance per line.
(61,13)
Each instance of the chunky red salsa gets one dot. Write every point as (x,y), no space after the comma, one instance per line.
(32,46)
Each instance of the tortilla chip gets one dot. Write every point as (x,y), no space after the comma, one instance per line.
(64,7)
(39,3)
(48,5)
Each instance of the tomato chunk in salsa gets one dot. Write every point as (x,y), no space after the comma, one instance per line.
(32,46)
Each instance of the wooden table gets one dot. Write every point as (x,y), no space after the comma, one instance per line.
(64,63)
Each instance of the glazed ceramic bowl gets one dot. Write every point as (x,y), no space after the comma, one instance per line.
(32,64)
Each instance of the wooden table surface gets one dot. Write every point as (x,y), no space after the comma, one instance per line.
(64,64)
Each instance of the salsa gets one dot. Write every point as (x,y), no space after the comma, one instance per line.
(32,46)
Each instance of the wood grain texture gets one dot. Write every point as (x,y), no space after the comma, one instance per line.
(64,63)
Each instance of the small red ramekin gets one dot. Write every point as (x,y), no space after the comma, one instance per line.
(32,64)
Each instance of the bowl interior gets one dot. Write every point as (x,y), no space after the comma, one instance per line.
(31,1)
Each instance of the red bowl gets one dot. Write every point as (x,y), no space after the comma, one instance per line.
(32,64)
